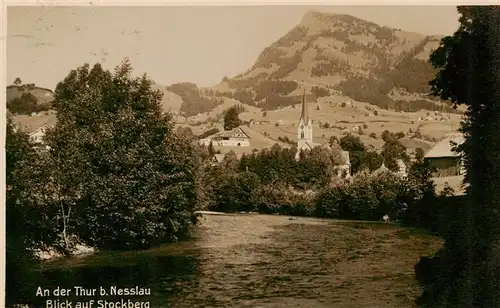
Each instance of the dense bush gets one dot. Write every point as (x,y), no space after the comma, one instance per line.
(368,197)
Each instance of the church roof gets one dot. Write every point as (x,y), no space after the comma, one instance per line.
(304,115)
(382,168)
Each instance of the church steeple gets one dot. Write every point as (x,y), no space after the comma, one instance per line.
(304,116)
(304,130)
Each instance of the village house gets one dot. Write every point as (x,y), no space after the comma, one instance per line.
(219,157)
(37,135)
(401,171)
(443,159)
(230,138)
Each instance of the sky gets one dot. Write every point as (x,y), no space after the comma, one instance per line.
(175,44)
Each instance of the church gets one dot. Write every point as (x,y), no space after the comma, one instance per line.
(305,141)
(304,131)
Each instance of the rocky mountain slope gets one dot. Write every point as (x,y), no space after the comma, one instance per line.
(328,54)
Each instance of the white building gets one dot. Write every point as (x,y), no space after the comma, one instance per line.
(304,130)
(305,141)
(36,136)
(230,138)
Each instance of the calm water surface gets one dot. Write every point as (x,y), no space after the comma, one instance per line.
(258,261)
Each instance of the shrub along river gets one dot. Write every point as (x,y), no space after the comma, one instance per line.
(250,261)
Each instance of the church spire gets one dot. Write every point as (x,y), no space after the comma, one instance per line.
(304,115)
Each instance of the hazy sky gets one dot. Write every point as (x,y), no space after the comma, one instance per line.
(174,44)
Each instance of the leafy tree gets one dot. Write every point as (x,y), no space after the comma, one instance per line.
(231,119)
(371,160)
(393,150)
(127,177)
(29,223)
(351,143)
(333,140)
(208,133)
(356,149)
(211,150)
(18,81)
(467,64)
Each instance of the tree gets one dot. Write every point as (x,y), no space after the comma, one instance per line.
(333,141)
(127,178)
(467,64)
(27,227)
(211,150)
(371,160)
(356,149)
(392,151)
(17,81)
(231,119)
(351,143)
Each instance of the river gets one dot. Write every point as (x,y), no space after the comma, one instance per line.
(255,261)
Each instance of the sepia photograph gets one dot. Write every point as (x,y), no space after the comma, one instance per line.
(264,156)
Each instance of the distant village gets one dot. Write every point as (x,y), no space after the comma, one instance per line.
(447,164)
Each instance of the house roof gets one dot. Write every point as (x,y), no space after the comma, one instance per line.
(219,157)
(444,147)
(31,124)
(306,145)
(382,168)
(235,132)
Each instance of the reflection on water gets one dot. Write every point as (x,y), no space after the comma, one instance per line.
(259,261)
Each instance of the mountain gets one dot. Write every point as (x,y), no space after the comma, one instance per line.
(339,54)
(28,98)
(358,77)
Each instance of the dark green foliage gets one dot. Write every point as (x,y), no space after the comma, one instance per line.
(273,87)
(30,222)
(356,149)
(351,143)
(318,92)
(192,101)
(467,63)
(371,160)
(276,101)
(392,151)
(237,192)
(111,133)
(368,197)
(329,66)
(244,96)
(231,119)
(287,65)
(207,133)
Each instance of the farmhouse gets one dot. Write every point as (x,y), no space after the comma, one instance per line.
(443,159)
(401,171)
(229,138)
(37,135)
(219,157)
